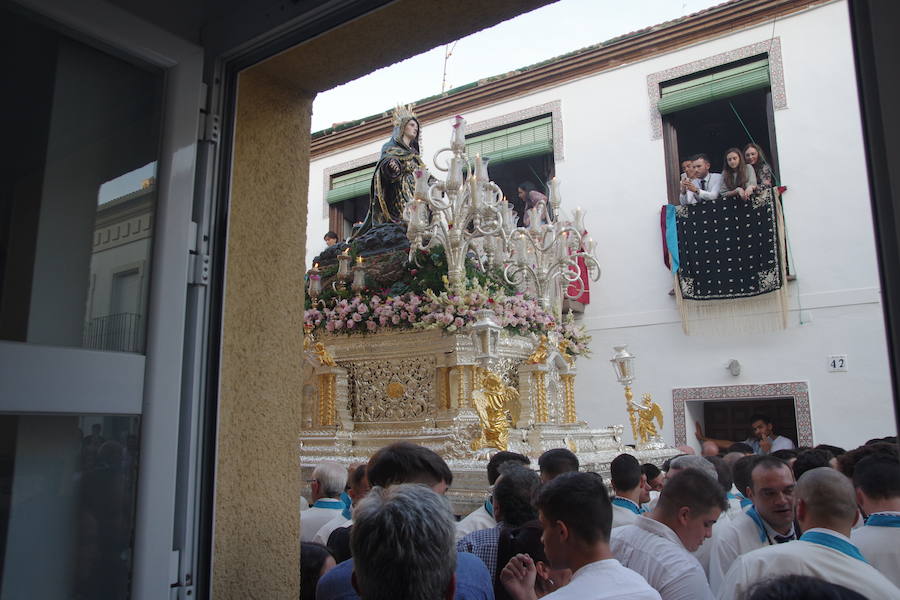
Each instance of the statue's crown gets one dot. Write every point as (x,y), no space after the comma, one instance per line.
(402,113)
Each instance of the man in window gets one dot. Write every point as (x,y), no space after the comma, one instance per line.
(763,441)
(687,174)
(705,185)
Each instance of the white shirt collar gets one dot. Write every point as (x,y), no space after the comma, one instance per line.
(772,533)
(651,525)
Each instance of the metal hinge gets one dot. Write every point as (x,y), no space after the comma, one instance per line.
(211,128)
(199,267)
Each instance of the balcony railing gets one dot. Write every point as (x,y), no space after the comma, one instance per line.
(121,332)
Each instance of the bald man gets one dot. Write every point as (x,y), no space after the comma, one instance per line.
(826,511)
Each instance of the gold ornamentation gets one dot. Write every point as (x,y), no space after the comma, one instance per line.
(642,415)
(395,389)
(443,377)
(402,113)
(323,355)
(493,401)
(540,388)
(540,353)
(569,415)
(563,346)
(327,391)
(308,337)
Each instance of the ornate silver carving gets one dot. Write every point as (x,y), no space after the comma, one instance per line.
(370,380)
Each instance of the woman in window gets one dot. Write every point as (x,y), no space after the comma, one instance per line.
(754,156)
(532,198)
(738,178)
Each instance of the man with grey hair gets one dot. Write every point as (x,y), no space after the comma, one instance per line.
(328,481)
(396,464)
(403,545)
(826,511)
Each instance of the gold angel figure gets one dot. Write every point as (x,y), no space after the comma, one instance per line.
(642,415)
(496,403)
(323,355)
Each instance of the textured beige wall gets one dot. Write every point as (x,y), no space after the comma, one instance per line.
(257,523)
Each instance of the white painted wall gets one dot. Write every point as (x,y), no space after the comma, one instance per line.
(615,170)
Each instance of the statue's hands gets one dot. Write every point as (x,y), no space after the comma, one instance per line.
(699,432)
(394,168)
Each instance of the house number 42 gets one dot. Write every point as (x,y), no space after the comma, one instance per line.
(837,362)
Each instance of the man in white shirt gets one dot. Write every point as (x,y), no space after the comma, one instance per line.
(700,463)
(358,488)
(704,185)
(327,483)
(576,516)
(687,174)
(659,543)
(769,521)
(737,501)
(483,516)
(826,511)
(877,482)
(763,441)
(630,489)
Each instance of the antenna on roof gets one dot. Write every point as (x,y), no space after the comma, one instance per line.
(448,52)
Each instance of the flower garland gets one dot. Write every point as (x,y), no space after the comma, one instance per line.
(517,313)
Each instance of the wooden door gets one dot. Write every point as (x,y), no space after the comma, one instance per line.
(730,419)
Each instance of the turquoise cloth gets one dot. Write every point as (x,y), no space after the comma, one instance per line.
(832,541)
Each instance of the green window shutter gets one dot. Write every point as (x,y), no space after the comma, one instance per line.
(350,185)
(716,86)
(533,138)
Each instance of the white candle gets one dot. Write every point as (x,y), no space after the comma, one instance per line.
(458,137)
(454,175)
(555,197)
(579,220)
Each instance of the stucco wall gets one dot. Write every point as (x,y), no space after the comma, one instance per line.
(614,168)
(257,474)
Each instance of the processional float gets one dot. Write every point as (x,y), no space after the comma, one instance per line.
(451,332)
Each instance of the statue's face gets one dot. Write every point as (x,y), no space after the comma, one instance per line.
(411,129)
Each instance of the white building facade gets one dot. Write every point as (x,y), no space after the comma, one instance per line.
(610,149)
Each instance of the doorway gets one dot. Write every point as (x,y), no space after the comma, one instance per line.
(730,419)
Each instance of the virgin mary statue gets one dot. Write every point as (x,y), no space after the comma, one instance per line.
(393,182)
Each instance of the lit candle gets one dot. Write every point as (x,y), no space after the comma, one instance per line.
(344,265)
(359,276)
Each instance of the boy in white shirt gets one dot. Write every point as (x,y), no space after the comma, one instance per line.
(576,516)
(877,482)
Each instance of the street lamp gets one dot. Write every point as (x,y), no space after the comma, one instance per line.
(623,365)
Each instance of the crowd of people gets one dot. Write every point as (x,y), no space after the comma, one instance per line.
(735,522)
(744,173)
